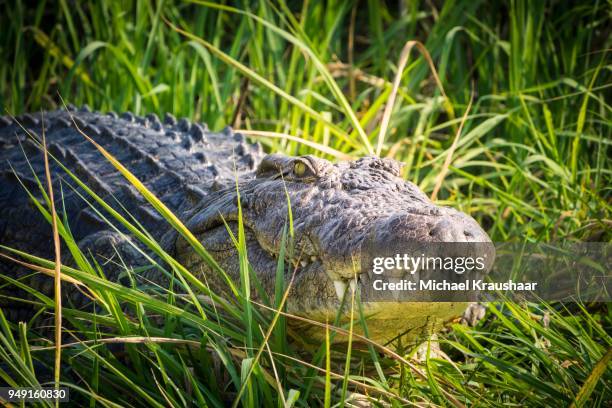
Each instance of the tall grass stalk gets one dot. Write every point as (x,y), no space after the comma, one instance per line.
(57,287)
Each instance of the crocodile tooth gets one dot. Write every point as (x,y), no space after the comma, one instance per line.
(303,263)
(340,289)
(353,284)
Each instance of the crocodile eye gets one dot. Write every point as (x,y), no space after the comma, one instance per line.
(299,168)
(276,165)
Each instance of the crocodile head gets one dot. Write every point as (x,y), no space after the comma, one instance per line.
(334,208)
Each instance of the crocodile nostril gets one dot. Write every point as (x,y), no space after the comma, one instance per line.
(468,234)
(442,231)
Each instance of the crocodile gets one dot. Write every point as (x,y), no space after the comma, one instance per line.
(210,179)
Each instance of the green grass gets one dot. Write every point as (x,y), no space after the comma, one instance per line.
(531,162)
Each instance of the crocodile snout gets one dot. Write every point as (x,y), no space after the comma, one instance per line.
(444,225)
(434,231)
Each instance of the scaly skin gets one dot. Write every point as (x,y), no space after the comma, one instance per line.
(335,209)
